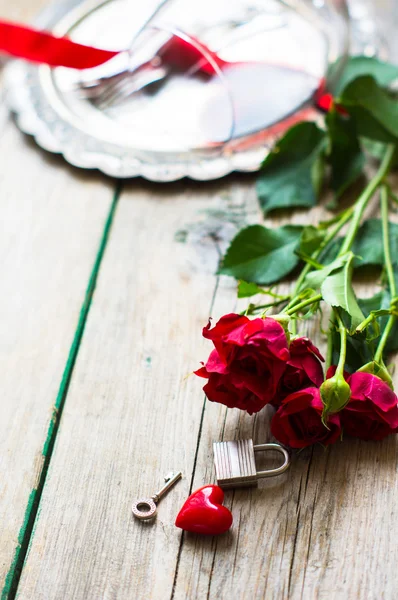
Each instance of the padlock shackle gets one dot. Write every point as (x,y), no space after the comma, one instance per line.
(273,448)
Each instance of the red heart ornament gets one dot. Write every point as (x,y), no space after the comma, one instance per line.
(203,512)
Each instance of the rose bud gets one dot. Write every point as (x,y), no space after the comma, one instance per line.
(372,412)
(303,369)
(249,358)
(335,394)
(298,421)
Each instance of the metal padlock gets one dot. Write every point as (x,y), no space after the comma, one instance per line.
(236,466)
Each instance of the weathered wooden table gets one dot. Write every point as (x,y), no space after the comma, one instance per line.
(104,290)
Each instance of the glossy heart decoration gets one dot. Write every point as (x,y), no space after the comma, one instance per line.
(204,512)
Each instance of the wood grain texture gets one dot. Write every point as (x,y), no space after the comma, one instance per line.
(132,415)
(322,530)
(52,218)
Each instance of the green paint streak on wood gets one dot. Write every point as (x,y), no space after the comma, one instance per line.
(25,534)
(30,510)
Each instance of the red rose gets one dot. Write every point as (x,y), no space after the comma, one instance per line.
(325,101)
(372,412)
(248,361)
(297,422)
(303,369)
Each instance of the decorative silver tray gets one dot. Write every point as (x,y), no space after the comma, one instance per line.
(118,141)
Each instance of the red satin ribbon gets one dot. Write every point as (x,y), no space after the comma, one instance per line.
(43,47)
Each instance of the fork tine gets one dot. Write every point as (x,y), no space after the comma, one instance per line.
(105,96)
(109,97)
(123,88)
(98,89)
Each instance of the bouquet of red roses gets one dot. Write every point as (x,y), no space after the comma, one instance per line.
(260,359)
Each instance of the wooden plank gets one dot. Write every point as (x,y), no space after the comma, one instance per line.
(255,558)
(52,220)
(131,414)
(322,530)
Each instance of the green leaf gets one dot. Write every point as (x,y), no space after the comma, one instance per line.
(368,244)
(261,255)
(329,255)
(375,113)
(337,291)
(311,239)
(346,157)
(384,73)
(358,352)
(315,279)
(291,175)
(381,301)
(361,349)
(246,289)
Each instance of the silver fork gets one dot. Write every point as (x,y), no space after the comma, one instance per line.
(106,91)
(114,90)
(109,87)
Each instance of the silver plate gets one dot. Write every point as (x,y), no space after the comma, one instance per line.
(48,107)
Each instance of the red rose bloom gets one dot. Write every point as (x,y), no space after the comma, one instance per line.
(248,361)
(303,369)
(372,412)
(297,422)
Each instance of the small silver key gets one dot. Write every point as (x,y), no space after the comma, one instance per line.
(236,466)
(146,508)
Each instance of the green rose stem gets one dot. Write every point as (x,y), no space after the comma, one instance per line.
(303,304)
(355,213)
(365,197)
(343,344)
(390,273)
(346,216)
(359,209)
(255,308)
(329,350)
(335,391)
